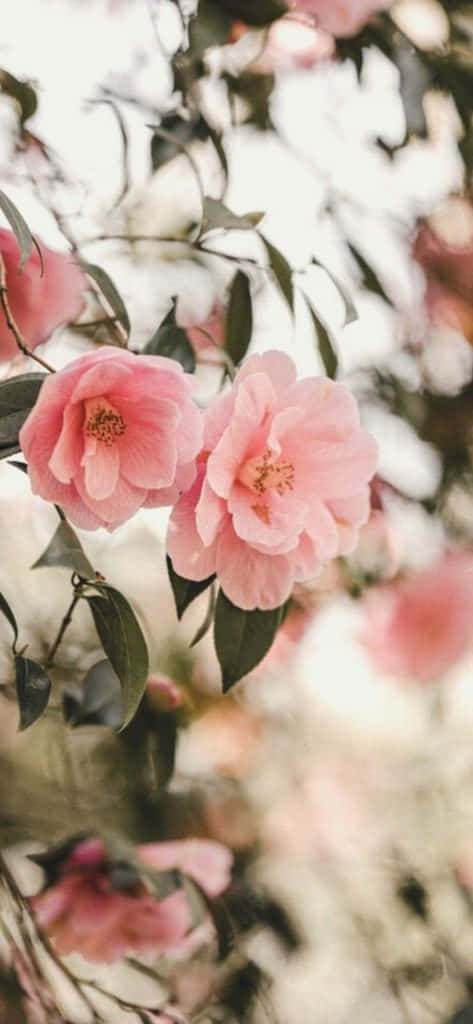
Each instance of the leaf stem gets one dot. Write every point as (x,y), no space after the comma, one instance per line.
(11,322)
(62,629)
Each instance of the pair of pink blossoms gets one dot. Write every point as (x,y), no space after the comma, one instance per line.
(267,484)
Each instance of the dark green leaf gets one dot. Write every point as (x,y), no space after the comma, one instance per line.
(32,689)
(210,27)
(204,628)
(281,271)
(328,352)
(22,92)
(17,398)
(217,215)
(110,293)
(351,313)
(172,341)
(185,591)
(7,612)
(65,549)
(369,279)
(239,318)
(123,643)
(464,1016)
(19,227)
(242,638)
(175,131)
(98,701)
(254,12)
(18,465)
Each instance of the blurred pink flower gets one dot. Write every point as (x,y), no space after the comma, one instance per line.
(340,17)
(163,694)
(111,433)
(444,250)
(207,337)
(85,911)
(39,301)
(420,626)
(282,485)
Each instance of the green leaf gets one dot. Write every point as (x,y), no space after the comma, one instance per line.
(242,638)
(172,341)
(217,215)
(210,27)
(369,279)
(7,612)
(327,349)
(65,549)
(98,701)
(281,270)
(206,624)
(185,591)
(19,227)
(239,318)
(17,398)
(110,292)
(351,312)
(254,12)
(174,132)
(22,92)
(123,643)
(33,687)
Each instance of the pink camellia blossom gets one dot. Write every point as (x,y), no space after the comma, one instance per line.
(86,910)
(420,627)
(111,433)
(40,299)
(443,247)
(340,17)
(282,484)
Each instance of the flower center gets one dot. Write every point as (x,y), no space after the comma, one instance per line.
(103,421)
(263,473)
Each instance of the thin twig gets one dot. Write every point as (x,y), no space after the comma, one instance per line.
(11,322)
(62,629)
(124,137)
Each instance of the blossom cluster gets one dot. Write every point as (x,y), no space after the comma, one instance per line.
(266,485)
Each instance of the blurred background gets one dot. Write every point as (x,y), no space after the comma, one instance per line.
(340,772)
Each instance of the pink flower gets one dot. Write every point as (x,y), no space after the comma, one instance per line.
(208,336)
(39,302)
(444,250)
(163,694)
(111,433)
(340,17)
(282,485)
(86,911)
(420,627)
